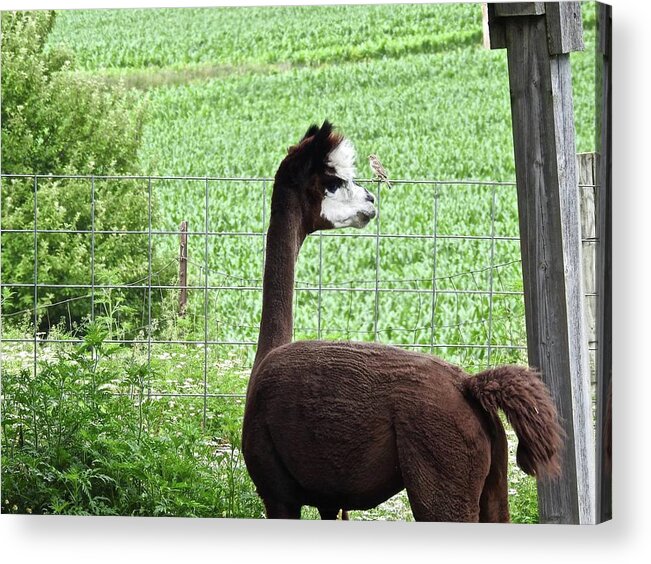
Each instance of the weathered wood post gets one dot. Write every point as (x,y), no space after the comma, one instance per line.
(183,268)
(604,262)
(538,37)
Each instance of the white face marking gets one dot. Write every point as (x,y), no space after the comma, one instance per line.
(349,205)
(342,159)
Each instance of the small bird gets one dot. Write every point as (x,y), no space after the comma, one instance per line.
(378,169)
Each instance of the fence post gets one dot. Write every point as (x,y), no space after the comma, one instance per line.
(538,37)
(183,268)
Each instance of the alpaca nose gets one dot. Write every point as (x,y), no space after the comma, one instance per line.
(370,197)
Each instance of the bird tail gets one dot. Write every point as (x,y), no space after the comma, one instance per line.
(380,179)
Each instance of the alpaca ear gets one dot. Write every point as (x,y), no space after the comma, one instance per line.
(321,145)
(310,132)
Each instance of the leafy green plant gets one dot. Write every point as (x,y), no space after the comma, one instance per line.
(523,493)
(57,122)
(81,438)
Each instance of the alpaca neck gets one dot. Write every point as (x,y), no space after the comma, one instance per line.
(284,239)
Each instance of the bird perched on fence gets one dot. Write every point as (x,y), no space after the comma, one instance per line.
(378,169)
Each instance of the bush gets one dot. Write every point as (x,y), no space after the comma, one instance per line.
(56,121)
(78,439)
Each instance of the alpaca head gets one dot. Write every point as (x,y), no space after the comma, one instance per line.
(316,177)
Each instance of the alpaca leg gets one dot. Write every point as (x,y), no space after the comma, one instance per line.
(494,501)
(328,514)
(493,508)
(332,514)
(442,484)
(275,485)
(279,510)
(431,502)
(437,496)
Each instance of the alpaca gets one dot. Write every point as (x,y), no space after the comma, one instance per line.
(348,425)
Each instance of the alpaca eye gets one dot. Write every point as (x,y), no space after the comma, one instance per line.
(332,184)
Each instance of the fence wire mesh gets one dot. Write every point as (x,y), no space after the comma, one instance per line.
(438,271)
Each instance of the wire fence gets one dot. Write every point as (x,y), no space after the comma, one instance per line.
(438,271)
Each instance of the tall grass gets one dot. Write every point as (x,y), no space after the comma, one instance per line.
(82,435)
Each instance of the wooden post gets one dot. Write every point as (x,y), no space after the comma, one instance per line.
(538,37)
(604,263)
(183,268)
(588,167)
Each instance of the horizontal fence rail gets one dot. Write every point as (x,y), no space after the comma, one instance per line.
(439,271)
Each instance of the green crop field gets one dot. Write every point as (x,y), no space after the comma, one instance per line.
(254,36)
(226,91)
(229,89)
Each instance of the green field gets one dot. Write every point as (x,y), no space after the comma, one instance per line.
(410,82)
(228,90)
(238,36)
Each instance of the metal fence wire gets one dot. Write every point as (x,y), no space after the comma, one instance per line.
(439,271)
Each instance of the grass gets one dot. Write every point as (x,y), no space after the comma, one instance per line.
(227,91)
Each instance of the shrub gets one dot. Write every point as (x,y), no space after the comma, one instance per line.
(82,437)
(56,121)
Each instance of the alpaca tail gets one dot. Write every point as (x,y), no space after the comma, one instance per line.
(521,394)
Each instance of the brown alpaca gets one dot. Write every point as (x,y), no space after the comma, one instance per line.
(347,425)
